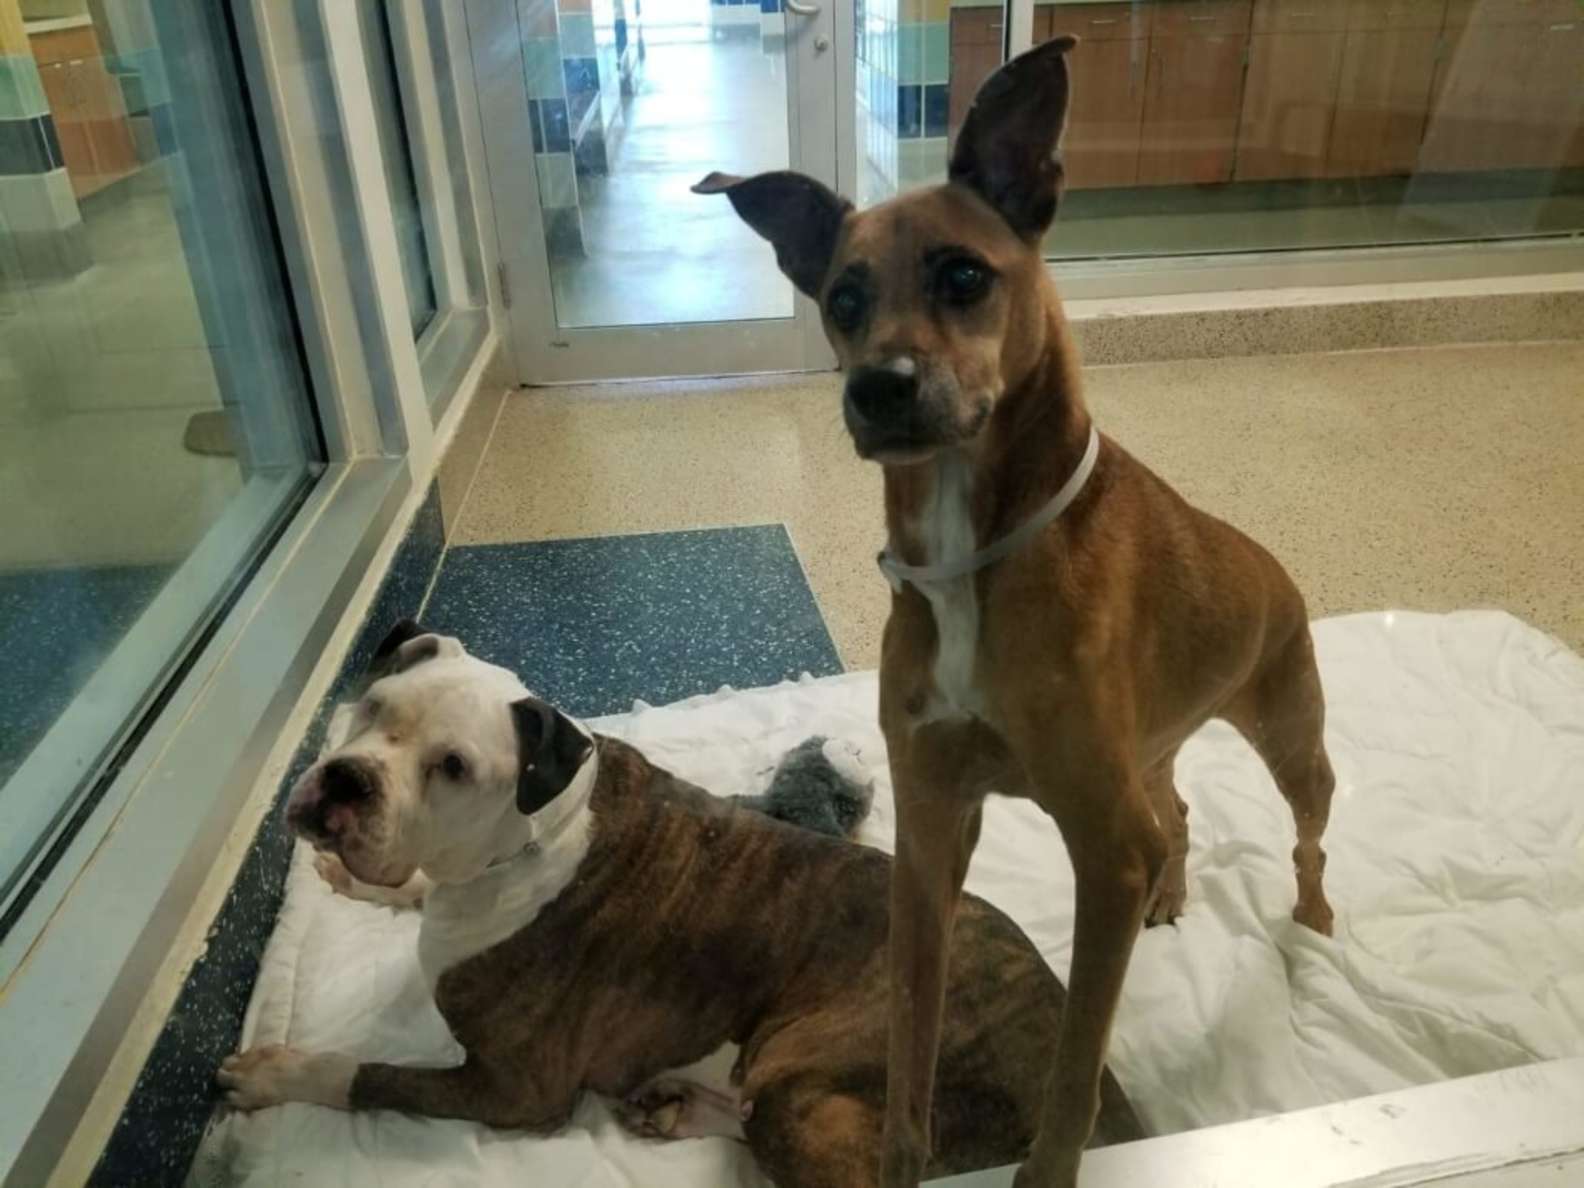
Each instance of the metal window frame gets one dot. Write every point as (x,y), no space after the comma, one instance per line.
(451,338)
(82,953)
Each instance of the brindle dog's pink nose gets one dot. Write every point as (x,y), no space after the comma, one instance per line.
(880,395)
(324,801)
(347,780)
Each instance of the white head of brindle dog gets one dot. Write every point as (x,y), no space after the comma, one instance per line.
(443,765)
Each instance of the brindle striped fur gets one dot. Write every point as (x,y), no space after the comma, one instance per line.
(693,922)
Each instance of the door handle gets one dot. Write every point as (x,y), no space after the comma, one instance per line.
(800,8)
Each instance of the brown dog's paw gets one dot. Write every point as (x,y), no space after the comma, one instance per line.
(674,1108)
(1171,894)
(1317,916)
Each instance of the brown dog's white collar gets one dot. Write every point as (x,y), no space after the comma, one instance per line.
(896,573)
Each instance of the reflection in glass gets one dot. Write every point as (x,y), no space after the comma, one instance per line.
(396,151)
(1202,126)
(154,419)
(626,116)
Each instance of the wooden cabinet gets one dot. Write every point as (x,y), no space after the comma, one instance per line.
(87,106)
(1200,18)
(1288,104)
(1106,124)
(1193,93)
(1507,96)
(1175,92)
(1478,14)
(1301,16)
(976,41)
(1093,22)
(1379,15)
(1383,101)
(1108,66)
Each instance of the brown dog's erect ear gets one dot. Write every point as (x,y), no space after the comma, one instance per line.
(800,217)
(550,750)
(1006,151)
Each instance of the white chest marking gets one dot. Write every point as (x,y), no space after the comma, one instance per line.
(461,920)
(946,530)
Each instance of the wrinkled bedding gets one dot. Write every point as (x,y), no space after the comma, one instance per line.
(1456,870)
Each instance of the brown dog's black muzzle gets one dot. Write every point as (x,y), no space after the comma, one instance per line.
(879,398)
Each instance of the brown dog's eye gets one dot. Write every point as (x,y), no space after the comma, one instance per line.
(454,767)
(845,305)
(962,282)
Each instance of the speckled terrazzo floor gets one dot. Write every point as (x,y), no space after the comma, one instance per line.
(594,624)
(56,625)
(1432,479)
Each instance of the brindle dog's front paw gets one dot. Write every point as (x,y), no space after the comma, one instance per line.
(258,1078)
(333,871)
(273,1074)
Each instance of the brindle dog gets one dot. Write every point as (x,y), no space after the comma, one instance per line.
(592,923)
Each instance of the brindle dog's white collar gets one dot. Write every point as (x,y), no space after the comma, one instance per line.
(920,575)
(557,817)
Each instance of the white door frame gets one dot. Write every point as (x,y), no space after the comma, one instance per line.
(547,353)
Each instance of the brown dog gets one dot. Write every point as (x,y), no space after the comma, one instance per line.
(1061,619)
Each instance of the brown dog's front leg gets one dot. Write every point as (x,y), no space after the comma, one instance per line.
(937,827)
(1118,854)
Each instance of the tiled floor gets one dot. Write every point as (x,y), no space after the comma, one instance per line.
(1431,479)
(595,623)
(56,624)
(655,251)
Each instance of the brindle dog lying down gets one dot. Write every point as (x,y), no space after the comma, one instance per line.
(593,923)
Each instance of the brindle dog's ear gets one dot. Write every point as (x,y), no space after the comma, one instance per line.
(1007,149)
(397,651)
(800,217)
(550,749)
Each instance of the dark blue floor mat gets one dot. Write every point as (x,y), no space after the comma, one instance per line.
(592,624)
(56,627)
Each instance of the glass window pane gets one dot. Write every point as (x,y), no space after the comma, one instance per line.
(628,111)
(400,175)
(1204,126)
(155,425)
(456,157)
(919,64)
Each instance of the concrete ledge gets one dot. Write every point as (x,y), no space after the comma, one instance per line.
(1335,318)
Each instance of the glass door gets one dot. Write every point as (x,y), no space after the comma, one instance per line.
(599,115)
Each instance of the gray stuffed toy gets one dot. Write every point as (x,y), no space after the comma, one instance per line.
(821,785)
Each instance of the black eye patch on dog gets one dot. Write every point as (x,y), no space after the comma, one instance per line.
(550,749)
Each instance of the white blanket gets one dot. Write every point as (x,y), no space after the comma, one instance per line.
(1456,870)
